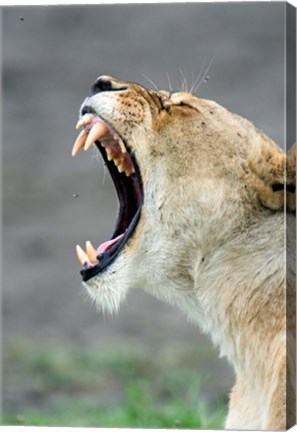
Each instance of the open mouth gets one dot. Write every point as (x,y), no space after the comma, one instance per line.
(124,171)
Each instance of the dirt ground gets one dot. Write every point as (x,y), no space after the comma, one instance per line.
(51,202)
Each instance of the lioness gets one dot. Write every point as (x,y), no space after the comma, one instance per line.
(201,225)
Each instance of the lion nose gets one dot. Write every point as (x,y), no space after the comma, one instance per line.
(106,83)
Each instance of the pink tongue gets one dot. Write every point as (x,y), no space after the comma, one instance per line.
(107,245)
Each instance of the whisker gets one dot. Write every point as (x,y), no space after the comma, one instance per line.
(150,81)
(203,76)
(198,78)
(169,82)
(184,78)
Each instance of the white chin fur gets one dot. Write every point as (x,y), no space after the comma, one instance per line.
(106,292)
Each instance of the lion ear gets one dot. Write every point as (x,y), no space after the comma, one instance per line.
(275,177)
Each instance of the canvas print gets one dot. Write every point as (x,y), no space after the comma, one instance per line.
(149,164)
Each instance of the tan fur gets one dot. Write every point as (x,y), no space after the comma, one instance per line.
(211,238)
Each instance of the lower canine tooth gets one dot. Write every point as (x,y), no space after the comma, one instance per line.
(91,251)
(82,256)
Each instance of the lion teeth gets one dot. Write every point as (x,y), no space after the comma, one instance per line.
(129,171)
(129,168)
(119,164)
(91,252)
(82,256)
(119,141)
(122,146)
(113,144)
(116,161)
(84,121)
(79,143)
(110,153)
(121,167)
(89,257)
(98,131)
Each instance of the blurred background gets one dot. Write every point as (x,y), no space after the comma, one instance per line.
(64,363)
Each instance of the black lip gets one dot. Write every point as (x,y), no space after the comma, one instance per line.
(107,257)
(130,195)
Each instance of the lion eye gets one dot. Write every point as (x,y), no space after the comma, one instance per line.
(105,84)
(181,103)
(179,99)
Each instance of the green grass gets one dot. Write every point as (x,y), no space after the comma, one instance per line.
(116,388)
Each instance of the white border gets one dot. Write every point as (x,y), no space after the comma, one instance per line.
(76,429)
(67,429)
(1,225)
(95,2)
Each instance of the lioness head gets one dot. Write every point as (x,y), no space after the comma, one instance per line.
(191,178)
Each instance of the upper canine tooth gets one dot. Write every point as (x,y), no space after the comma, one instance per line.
(98,130)
(84,121)
(79,143)
(82,256)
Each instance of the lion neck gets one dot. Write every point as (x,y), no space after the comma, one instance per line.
(226,290)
